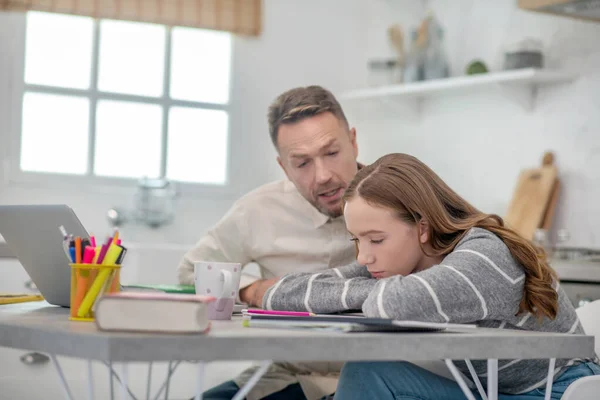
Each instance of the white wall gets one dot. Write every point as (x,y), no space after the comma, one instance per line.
(303,42)
(479,142)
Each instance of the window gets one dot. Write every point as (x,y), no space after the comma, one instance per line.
(125,99)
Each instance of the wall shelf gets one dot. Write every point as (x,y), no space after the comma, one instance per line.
(520,84)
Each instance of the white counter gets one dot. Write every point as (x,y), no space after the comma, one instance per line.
(580,271)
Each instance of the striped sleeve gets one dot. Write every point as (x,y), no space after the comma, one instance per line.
(334,290)
(479,280)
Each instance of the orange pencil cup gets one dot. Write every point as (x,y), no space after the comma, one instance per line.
(88,283)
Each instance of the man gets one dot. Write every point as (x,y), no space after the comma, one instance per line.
(288,226)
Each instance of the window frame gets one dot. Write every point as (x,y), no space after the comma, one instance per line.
(88,181)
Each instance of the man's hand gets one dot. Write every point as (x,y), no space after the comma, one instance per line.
(253,294)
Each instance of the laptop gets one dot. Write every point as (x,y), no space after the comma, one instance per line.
(33,236)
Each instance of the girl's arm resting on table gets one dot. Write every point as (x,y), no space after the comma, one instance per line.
(334,290)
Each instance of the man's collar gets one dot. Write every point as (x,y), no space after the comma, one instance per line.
(318,218)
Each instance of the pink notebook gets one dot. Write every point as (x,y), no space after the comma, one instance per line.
(153,312)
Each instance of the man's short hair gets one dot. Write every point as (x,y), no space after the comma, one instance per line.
(300,103)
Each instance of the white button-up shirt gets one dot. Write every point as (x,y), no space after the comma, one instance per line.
(276,228)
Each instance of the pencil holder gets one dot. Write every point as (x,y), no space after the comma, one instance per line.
(88,283)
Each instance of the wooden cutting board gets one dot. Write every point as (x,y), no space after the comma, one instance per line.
(549,214)
(534,199)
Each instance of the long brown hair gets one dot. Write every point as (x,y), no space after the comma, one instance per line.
(404,184)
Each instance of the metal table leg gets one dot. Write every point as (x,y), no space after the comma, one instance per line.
(459,379)
(476,380)
(149,381)
(124,381)
(550,379)
(170,372)
(110,380)
(492,379)
(90,381)
(61,375)
(241,394)
(200,381)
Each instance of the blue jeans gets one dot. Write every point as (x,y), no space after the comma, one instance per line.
(227,390)
(406,381)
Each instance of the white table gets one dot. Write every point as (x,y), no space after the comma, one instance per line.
(41,327)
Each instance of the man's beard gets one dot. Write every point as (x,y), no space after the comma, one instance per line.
(323,209)
(337,212)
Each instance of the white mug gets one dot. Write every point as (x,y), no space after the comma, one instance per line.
(220,280)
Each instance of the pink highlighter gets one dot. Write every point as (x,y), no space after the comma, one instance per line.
(88,254)
(273,312)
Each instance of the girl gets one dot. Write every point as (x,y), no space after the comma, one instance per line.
(435,258)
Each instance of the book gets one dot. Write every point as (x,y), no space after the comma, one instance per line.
(342,323)
(153,312)
(183,289)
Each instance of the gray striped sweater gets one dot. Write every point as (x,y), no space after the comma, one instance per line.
(479,282)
